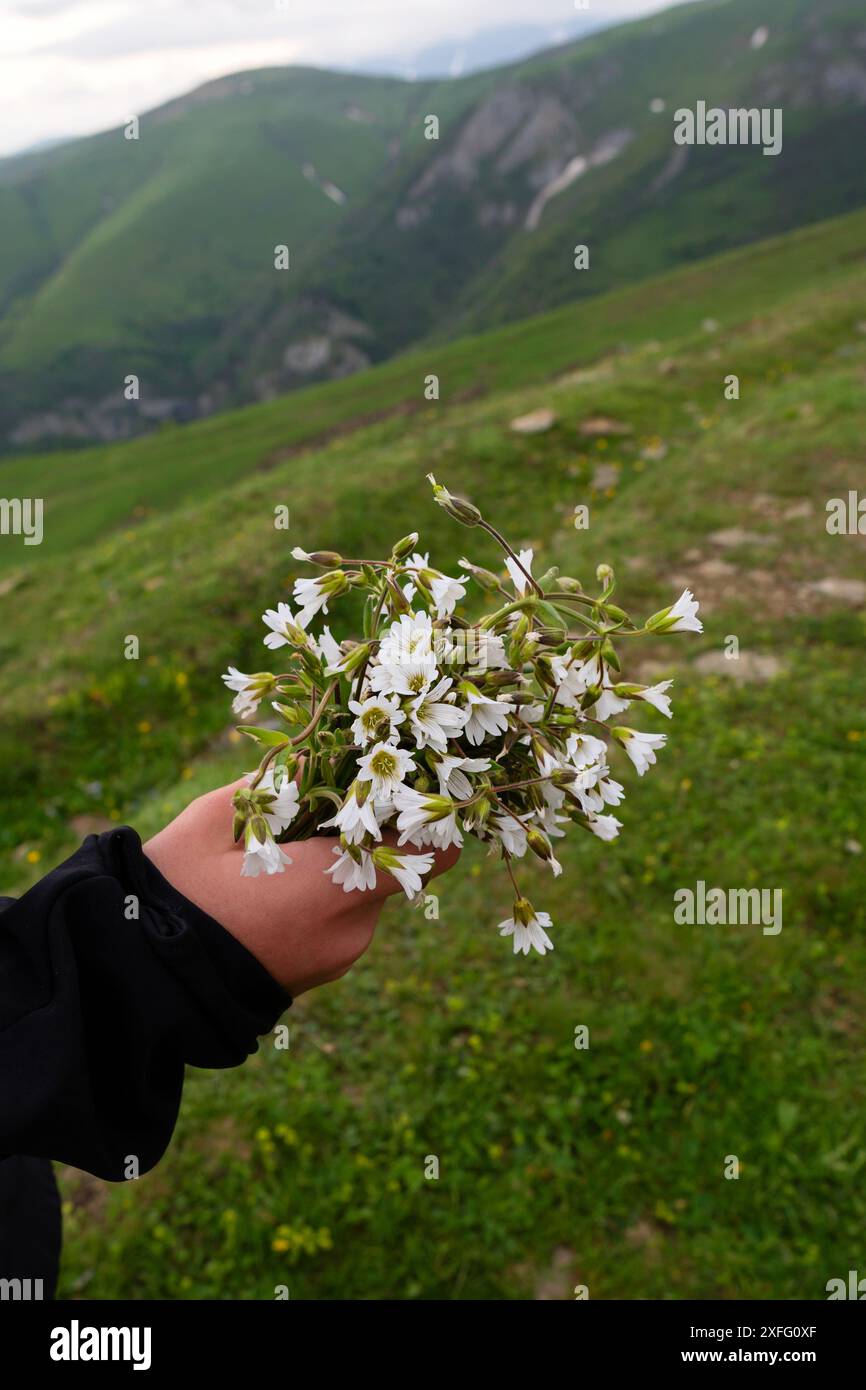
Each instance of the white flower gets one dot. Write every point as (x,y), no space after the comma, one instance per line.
(281,811)
(605,827)
(249,688)
(551,823)
(682,617)
(531,714)
(655,696)
(328,650)
(356,817)
(408,869)
(386,767)
(547,764)
(372,714)
(446,592)
(352,873)
(517,575)
(485,649)
(512,833)
(570,684)
(452,771)
(412,675)
(609,704)
(528,935)
(425,819)
(582,750)
(612,793)
(311,595)
(486,717)
(408,678)
(409,636)
(434,720)
(285,627)
(262,856)
(640,747)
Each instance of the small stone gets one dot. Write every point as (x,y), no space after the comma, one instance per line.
(11,582)
(536,422)
(605,476)
(851,592)
(735,535)
(799,511)
(748,666)
(600,426)
(716,569)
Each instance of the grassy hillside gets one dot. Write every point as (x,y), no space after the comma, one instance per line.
(91,493)
(155,257)
(558,1167)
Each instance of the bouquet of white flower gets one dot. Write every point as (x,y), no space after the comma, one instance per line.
(435,727)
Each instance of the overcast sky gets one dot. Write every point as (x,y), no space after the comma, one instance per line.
(71,67)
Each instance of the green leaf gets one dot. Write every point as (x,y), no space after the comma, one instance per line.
(271,737)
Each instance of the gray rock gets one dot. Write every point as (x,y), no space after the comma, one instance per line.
(748,666)
(849,592)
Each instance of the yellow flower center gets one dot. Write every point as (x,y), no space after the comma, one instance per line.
(383,764)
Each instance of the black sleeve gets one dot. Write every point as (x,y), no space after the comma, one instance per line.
(110,982)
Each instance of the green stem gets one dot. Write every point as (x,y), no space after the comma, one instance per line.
(491,530)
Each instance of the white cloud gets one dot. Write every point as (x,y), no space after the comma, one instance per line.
(70,67)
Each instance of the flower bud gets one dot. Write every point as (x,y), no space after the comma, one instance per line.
(539,844)
(482,577)
(456,507)
(293,714)
(495,680)
(569,585)
(355,657)
(544,671)
(609,653)
(405,546)
(398,599)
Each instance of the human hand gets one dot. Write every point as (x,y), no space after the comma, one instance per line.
(299,925)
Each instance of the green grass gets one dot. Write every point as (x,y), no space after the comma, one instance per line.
(155,257)
(558,1167)
(91,493)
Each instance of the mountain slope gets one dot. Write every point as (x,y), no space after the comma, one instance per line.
(96,493)
(602,1167)
(155,257)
